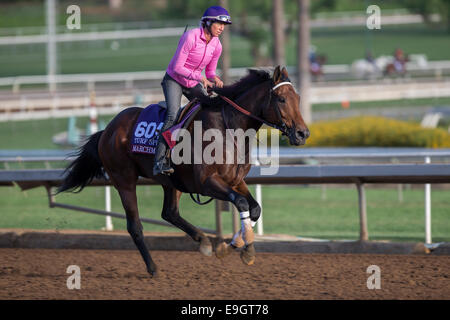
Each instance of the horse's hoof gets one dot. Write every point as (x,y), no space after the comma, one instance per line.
(248,255)
(206,247)
(153,273)
(222,250)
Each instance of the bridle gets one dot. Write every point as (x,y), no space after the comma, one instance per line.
(283,127)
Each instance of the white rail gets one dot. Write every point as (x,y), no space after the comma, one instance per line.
(129,77)
(62,104)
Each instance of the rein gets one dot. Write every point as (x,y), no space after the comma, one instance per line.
(281,127)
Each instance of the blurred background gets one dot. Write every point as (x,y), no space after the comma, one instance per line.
(362,85)
(116,56)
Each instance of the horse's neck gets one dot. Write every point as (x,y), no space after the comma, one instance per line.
(253,101)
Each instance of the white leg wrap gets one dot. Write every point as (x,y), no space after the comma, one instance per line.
(246,228)
(237,240)
(244,215)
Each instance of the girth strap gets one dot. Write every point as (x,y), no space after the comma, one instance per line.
(198,201)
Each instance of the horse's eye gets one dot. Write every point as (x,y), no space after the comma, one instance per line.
(280,99)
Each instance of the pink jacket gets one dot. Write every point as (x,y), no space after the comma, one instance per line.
(192,56)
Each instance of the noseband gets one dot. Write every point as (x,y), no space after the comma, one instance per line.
(282,127)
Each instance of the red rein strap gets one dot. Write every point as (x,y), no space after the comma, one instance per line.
(247,113)
(239,108)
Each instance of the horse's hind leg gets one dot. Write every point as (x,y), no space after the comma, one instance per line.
(127,192)
(171,214)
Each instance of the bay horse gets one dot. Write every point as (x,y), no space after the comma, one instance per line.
(266,98)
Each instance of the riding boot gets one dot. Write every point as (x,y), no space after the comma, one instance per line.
(161,161)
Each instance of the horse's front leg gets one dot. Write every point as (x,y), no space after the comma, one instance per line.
(171,214)
(249,211)
(246,233)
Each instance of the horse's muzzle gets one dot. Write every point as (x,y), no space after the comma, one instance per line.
(298,137)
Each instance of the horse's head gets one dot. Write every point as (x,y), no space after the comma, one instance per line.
(284,108)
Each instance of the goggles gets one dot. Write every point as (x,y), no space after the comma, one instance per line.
(223,18)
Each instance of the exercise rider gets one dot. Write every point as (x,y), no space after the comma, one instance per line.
(199,49)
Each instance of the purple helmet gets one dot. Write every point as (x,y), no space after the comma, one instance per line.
(217,13)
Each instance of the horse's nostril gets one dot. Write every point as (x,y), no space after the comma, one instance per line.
(301,134)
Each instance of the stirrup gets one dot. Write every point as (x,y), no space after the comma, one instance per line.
(162,167)
(167,170)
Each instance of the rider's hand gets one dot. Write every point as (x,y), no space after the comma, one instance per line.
(219,83)
(206,83)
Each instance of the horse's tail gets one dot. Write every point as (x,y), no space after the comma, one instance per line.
(85,167)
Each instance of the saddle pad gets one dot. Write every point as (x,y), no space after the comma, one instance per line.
(147,128)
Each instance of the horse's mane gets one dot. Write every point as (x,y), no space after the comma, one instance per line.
(253,78)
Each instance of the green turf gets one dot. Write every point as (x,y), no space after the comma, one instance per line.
(337,216)
(25,14)
(128,55)
(303,213)
(341,45)
(37,134)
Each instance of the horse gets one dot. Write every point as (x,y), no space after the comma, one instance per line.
(365,69)
(395,68)
(269,99)
(316,67)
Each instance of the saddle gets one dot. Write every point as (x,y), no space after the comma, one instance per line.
(185,116)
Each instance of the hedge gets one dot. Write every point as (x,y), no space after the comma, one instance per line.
(375,131)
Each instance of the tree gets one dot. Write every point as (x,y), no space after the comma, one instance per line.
(278,30)
(427,8)
(303,43)
(226,57)
(115,4)
(252,19)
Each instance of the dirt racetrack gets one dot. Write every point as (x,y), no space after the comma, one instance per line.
(120,274)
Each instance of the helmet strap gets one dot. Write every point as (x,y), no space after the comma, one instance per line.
(208,25)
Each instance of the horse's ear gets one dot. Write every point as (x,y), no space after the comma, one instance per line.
(284,73)
(277,75)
